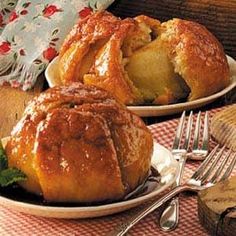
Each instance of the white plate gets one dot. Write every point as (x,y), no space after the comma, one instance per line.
(163,161)
(144,111)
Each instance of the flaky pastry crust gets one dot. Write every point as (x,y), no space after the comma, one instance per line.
(197,56)
(142,61)
(78,144)
(93,53)
(85,38)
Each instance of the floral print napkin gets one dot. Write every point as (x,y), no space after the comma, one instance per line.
(31,33)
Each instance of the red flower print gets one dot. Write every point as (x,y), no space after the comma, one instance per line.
(1,20)
(50,10)
(49,53)
(4,47)
(22,52)
(85,12)
(13,16)
(24,12)
(6,83)
(15,84)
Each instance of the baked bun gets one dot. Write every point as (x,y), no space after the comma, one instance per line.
(78,144)
(92,54)
(82,43)
(197,57)
(142,61)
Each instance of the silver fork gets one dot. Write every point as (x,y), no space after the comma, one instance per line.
(170,216)
(216,167)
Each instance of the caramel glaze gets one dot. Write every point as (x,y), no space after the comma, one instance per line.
(100,47)
(108,70)
(81,44)
(95,50)
(197,56)
(78,144)
(89,30)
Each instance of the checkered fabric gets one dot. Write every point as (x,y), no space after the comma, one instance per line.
(15,223)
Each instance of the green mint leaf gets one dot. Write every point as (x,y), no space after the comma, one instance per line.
(3,158)
(10,176)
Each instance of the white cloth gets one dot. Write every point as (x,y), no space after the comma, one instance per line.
(32,32)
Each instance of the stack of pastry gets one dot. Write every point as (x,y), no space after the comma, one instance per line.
(141,60)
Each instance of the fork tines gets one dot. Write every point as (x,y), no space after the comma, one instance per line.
(182,139)
(218,166)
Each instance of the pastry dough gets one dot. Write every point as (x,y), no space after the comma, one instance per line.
(197,56)
(78,144)
(141,60)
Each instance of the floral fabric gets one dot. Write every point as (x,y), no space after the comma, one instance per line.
(31,33)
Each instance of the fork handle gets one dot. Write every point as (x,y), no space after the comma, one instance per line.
(124,227)
(182,160)
(169,218)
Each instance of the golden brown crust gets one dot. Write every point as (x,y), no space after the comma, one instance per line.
(80,142)
(145,28)
(141,60)
(75,153)
(93,53)
(108,69)
(94,29)
(21,146)
(197,56)
(154,24)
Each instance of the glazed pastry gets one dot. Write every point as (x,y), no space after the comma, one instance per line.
(197,57)
(81,45)
(185,60)
(78,144)
(107,70)
(142,61)
(94,45)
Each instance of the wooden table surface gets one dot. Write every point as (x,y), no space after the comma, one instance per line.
(12,104)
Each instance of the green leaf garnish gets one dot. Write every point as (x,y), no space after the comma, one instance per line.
(3,158)
(8,176)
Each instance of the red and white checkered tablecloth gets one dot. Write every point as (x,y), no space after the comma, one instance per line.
(14,223)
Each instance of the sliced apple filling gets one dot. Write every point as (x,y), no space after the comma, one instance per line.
(108,70)
(135,67)
(153,74)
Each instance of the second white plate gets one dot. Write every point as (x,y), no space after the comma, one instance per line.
(145,111)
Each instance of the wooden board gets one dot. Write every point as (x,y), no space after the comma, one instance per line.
(223,127)
(217,208)
(12,104)
(219,16)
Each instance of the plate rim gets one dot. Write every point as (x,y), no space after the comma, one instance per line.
(14,204)
(194,102)
(152,110)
